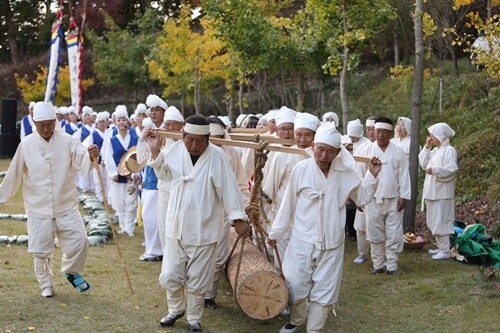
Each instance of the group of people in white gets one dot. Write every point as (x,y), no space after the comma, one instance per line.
(193,191)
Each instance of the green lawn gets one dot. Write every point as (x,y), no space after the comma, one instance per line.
(427,296)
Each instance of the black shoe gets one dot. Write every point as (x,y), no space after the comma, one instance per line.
(210,304)
(377,271)
(195,327)
(169,320)
(394,272)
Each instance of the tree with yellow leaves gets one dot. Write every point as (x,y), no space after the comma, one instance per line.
(185,60)
(34,90)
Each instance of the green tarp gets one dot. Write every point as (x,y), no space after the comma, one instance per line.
(476,246)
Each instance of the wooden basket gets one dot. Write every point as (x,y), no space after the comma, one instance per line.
(261,291)
(415,245)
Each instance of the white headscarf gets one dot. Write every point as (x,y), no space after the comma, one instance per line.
(306,120)
(333,115)
(443,132)
(407,123)
(355,128)
(285,115)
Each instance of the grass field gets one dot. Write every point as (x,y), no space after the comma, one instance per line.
(427,296)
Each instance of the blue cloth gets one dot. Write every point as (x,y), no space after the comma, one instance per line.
(119,150)
(84,133)
(150,179)
(27,125)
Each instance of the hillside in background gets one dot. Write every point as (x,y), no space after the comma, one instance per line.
(470,105)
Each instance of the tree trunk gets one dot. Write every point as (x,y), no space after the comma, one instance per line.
(409,217)
(396,51)
(197,88)
(300,92)
(343,75)
(11,32)
(240,97)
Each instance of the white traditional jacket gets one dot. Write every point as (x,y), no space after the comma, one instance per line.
(394,178)
(47,172)
(315,205)
(443,161)
(199,195)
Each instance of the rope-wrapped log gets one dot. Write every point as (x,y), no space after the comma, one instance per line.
(259,289)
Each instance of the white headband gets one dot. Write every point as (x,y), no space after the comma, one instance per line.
(196,129)
(385,126)
(370,122)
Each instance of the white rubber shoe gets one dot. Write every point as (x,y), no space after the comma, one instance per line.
(433,251)
(359,260)
(441,256)
(48,292)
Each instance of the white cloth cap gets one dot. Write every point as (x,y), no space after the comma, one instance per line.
(271,115)
(217,129)
(121,111)
(333,115)
(147,122)
(328,134)
(442,131)
(102,116)
(370,123)
(87,110)
(225,120)
(240,119)
(172,113)
(31,105)
(355,128)
(43,111)
(407,123)
(153,101)
(63,110)
(285,115)
(345,140)
(306,120)
(71,109)
(140,108)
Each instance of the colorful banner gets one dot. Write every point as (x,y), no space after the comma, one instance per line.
(73,44)
(54,58)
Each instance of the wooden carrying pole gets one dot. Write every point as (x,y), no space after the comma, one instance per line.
(253,145)
(113,231)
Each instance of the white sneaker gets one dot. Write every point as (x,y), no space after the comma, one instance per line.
(433,251)
(48,292)
(441,256)
(359,259)
(289,328)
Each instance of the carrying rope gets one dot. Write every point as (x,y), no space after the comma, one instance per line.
(255,211)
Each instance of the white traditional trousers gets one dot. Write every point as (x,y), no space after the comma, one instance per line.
(187,275)
(162,214)
(222,254)
(152,244)
(360,226)
(72,238)
(125,206)
(385,232)
(440,218)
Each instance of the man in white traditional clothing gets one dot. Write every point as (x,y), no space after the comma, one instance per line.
(280,168)
(385,213)
(123,193)
(314,206)
(203,188)
(45,163)
(27,121)
(218,130)
(360,219)
(440,165)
